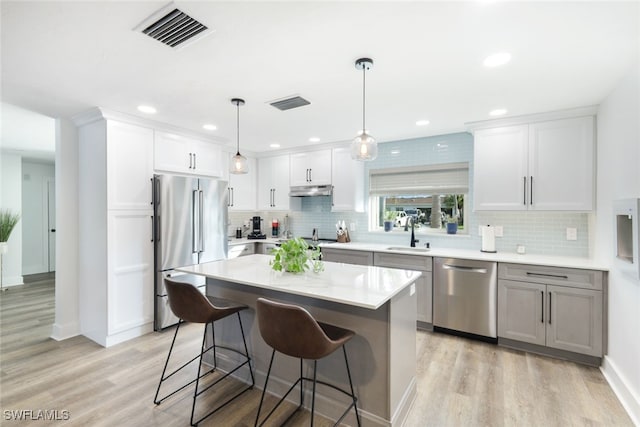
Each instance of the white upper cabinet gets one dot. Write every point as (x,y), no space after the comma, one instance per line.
(347,176)
(500,168)
(561,165)
(545,166)
(180,154)
(129,166)
(273,185)
(311,168)
(241,187)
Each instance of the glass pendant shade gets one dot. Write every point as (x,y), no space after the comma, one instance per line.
(364,147)
(239,164)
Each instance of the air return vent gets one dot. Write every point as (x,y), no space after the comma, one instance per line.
(289,103)
(173,27)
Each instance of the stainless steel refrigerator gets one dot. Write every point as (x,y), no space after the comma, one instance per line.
(190,227)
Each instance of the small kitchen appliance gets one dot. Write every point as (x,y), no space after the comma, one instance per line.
(256,229)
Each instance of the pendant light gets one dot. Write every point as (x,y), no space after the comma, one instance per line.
(239,163)
(364,146)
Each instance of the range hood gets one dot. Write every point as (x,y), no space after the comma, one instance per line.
(310,190)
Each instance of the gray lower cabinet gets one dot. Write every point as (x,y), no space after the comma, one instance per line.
(424,284)
(347,256)
(564,317)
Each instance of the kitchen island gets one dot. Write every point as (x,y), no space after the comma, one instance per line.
(378,304)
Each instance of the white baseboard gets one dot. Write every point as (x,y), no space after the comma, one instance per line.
(629,399)
(7,282)
(61,332)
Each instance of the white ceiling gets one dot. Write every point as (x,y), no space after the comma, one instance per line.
(61,58)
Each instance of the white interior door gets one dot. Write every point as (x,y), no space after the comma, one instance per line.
(51,208)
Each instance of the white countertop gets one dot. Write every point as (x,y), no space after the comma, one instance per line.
(532,259)
(362,286)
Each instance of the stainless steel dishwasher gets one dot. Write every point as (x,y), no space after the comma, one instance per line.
(465,296)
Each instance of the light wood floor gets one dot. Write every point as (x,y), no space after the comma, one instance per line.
(460,382)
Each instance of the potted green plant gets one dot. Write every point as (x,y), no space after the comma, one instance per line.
(294,256)
(8,221)
(452,225)
(389,218)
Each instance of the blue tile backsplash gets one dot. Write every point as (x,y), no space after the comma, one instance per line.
(539,232)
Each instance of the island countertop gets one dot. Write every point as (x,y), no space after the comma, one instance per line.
(362,286)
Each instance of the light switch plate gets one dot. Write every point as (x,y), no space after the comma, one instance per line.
(412,289)
(352,226)
(499,231)
(572,233)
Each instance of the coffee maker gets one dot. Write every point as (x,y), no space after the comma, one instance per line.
(256,228)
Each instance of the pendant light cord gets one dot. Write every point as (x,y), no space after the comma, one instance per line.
(364,67)
(238,128)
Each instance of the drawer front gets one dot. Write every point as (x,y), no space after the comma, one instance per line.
(347,256)
(411,262)
(573,277)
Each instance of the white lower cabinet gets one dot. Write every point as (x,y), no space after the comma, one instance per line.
(565,317)
(130,270)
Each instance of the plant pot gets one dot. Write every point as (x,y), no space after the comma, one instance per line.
(4,248)
(452,228)
(388,225)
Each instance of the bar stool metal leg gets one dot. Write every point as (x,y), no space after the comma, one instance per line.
(353,395)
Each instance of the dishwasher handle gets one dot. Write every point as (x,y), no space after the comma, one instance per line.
(464,268)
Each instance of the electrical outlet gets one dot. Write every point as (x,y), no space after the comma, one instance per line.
(412,289)
(499,232)
(572,233)
(352,226)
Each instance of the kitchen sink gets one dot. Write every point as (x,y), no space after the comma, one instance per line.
(407,249)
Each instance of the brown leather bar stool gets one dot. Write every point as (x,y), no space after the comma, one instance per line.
(291,330)
(190,305)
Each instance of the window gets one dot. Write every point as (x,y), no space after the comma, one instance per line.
(430,195)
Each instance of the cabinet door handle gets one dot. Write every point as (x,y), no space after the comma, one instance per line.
(554,276)
(531,191)
(310,178)
(332,190)
(151,191)
(524,190)
(273,197)
(232,194)
(549,307)
(194,160)
(542,307)
(153,229)
(190,161)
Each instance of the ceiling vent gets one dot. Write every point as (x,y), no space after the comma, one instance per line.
(173,27)
(289,103)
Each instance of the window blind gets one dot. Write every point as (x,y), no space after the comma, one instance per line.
(450,178)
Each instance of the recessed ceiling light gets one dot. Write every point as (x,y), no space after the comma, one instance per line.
(497,59)
(274,145)
(146,109)
(422,122)
(498,112)
(209,126)
(314,139)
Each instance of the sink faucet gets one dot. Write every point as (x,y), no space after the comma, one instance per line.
(413,236)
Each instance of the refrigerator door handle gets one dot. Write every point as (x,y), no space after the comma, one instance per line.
(201,220)
(195,222)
